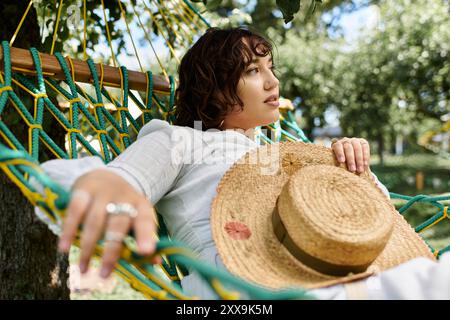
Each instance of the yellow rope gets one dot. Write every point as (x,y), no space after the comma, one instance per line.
(181,28)
(73,130)
(186,22)
(23,87)
(40,95)
(444,215)
(108,34)
(31,71)
(5,138)
(72,101)
(20,23)
(7,88)
(30,136)
(129,32)
(138,285)
(20,112)
(189,12)
(149,41)
(72,69)
(226,295)
(85,30)
(162,34)
(55,32)
(102,73)
(50,148)
(147,79)
(121,88)
(163,285)
(169,23)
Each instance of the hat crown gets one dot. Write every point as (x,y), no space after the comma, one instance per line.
(334,216)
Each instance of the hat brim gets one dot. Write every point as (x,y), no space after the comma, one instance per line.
(241,221)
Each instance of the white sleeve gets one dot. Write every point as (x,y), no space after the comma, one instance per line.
(417,279)
(420,278)
(151,164)
(381,186)
(64,172)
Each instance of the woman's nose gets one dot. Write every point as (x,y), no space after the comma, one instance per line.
(271,81)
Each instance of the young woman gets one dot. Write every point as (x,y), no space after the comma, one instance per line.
(226,83)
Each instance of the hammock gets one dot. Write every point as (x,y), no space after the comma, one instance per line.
(97,122)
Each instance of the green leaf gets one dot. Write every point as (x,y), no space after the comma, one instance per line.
(288,8)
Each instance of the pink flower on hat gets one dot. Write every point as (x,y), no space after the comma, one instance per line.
(237,230)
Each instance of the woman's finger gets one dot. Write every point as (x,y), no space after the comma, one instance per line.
(338,150)
(92,230)
(349,155)
(366,153)
(79,204)
(144,227)
(116,230)
(359,158)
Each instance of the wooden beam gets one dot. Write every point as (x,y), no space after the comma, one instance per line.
(22,61)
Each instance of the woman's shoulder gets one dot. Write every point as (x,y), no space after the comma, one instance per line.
(157,125)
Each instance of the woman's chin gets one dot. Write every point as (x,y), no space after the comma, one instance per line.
(275,116)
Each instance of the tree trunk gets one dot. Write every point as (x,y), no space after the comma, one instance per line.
(30,267)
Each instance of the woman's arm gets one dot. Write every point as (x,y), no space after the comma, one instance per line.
(139,176)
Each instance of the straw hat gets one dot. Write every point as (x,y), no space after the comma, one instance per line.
(287,214)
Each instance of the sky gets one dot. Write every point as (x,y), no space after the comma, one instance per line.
(353,22)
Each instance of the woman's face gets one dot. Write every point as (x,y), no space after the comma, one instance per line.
(258,89)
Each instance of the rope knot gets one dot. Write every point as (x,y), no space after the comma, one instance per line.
(5,88)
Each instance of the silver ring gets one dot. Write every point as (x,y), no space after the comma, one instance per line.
(121,209)
(114,236)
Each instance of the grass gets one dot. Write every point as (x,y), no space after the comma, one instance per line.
(417,161)
(117,289)
(399,173)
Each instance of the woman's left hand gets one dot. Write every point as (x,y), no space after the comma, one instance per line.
(354,152)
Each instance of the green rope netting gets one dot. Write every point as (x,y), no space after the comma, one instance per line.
(87,120)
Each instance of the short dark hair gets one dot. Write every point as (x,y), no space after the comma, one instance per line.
(210,72)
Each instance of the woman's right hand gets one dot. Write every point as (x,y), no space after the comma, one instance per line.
(90,195)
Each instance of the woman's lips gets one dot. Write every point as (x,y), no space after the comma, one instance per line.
(273,103)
